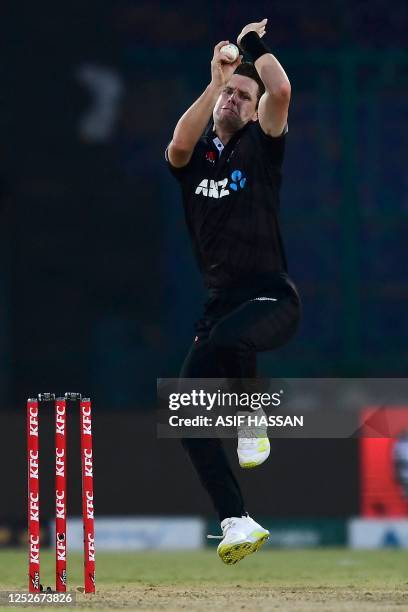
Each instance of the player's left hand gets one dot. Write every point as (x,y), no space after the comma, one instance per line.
(258,27)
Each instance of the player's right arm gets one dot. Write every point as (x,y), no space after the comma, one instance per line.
(194,121)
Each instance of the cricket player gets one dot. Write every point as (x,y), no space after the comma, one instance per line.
(226,153)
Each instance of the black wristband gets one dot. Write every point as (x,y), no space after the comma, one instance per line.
(253,46)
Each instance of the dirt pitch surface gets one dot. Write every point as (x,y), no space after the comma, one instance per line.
(261,598)
(314,580)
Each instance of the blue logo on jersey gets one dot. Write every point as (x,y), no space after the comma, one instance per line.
(238,180)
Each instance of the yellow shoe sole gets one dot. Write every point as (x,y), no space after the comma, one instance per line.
(249,465)
(232,553)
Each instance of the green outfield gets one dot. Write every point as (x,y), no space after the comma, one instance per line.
(306,580)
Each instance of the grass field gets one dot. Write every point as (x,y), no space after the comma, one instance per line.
(313,580)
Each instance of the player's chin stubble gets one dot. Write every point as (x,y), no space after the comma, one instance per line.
(230,122)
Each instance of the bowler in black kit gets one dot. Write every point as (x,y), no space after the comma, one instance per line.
(227,153)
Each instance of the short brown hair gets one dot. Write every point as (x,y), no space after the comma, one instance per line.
(247,69)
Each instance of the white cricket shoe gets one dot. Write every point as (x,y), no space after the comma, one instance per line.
(241,537)
(253,443)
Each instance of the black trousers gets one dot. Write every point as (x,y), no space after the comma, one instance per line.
(236,325)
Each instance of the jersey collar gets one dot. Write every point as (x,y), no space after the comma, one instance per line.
(218,145)
(209,135)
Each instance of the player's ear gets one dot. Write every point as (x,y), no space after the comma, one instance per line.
(255,116)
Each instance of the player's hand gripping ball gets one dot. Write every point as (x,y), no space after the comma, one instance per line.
(231,51)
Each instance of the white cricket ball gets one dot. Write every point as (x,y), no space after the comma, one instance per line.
(231,51)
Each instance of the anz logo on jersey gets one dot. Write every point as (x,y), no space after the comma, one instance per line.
(218,189)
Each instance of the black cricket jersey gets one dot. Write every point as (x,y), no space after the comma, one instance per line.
(231,204)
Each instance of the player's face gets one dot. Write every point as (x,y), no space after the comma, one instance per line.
(237,103)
